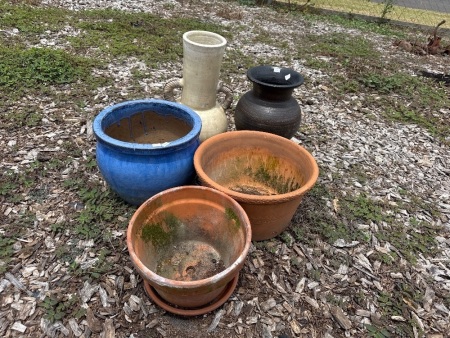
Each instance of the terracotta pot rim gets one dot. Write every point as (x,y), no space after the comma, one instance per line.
(255,199)
(224,276)
(157,106)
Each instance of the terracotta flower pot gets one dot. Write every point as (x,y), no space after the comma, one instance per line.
(267,174)
(189,244)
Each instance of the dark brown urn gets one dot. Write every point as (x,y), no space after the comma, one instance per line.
(269,106)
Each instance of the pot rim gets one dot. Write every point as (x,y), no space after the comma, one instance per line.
(222,43)
(224,276)
(248,198)
(279,73)
(157,106)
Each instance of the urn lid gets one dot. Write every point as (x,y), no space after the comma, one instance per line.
(276,77)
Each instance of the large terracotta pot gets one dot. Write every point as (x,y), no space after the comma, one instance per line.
(202,58)
(267,174)
(146,146)
(189,244)
(269,106)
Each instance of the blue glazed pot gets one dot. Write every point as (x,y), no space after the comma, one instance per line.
(137,171)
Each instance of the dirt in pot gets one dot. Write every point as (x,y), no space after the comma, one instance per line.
(253,190)
(148,127)
(190,260)
(254,183)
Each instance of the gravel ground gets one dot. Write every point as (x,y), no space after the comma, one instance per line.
(288,287)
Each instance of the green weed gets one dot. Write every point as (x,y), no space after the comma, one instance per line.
(58,308)
(410,241)
(39,66)
(315,219)
(341,46)
(316,63)
(6,252)
(102,266)
(363,209)
(377,332)
(385,84)
(145,36)
(363,25)
(395,303)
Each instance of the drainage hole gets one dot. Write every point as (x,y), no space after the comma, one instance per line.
(190,270)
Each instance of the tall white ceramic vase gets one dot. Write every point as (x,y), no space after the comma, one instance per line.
(202,57)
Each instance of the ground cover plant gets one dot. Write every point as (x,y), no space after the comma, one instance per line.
(366,255)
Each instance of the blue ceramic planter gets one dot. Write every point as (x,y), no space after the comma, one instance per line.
(137,171)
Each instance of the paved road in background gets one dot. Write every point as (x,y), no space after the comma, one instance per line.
(442,6)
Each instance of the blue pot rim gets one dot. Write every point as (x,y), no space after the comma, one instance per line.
(156,105)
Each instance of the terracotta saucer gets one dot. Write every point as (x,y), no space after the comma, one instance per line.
(192,312)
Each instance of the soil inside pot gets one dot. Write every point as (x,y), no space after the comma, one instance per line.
(189,260)
(253,189)
(257,175)
(148,127)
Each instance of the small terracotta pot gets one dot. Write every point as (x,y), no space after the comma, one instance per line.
(189,244)
(267,174)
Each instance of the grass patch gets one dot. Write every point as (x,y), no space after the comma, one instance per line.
(6,252)
(106,33)
(342,47)
(418,100)
(395,303)
(362,209)
(30,20)
(354,67)
(25,70)
(409,241)
(58,307)
(315,219)
(145,36)
(103,35)
(100,208)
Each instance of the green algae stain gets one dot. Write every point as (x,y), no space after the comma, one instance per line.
(231,216)
(272,163)
(157,233)
(279,183)
(172,222)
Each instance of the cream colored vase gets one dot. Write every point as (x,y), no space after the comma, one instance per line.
(202,57)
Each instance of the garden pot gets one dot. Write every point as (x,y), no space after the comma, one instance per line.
(202,57)
(269,106)
(146,146)
(189,244)
(267,174)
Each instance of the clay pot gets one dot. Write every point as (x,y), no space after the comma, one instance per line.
(267,174)
(146,146)
(189,244)
(269,106)
(202,58)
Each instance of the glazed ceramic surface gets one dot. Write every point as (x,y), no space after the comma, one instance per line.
(202,58)
(269,106)
(189,243)
(138,170)
(267,174)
